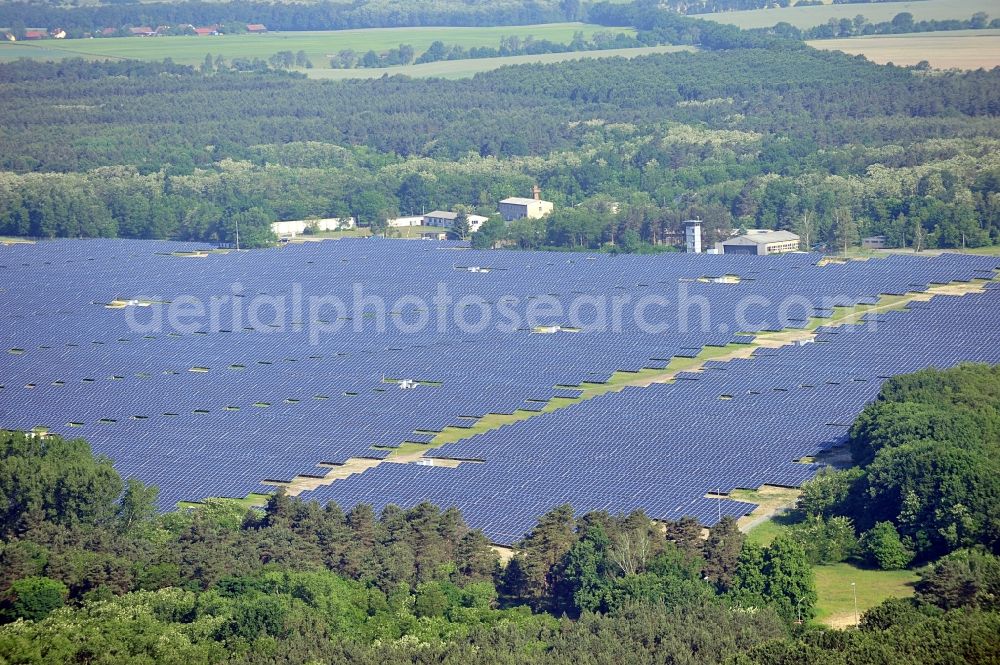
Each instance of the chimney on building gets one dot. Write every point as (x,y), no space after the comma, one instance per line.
(536,192)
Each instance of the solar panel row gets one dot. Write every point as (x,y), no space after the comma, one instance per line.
(215,408)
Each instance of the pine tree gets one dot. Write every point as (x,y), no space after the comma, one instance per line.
(460,229)
(722,552)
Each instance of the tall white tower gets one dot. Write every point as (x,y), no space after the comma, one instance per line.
(692,234)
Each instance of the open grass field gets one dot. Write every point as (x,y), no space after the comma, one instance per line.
(317,45)
(835,606)
(876,12)
(454,69)
(763,534)
(835,596)
(989,250)
(960,49)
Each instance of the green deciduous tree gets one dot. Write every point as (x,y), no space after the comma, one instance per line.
(882,547)
(32,598)
(53,480)
(826,540)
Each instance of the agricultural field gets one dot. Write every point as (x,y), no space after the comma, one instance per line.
(959,49)
(808,17)
(317,45)
(453,69)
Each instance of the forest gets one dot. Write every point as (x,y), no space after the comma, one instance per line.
(828,145)
(89,572)
(324,15)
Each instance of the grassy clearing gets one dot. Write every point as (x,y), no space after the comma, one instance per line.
(835,606)
(961,49)
(835,596)
(770,518)
(764,533)
(454,69)
(412,232)
(992,250)
(989,250)
(247,502)
(808,17)
(318,45)
(357,232)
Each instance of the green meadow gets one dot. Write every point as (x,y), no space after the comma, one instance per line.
(465,68)
(317,45)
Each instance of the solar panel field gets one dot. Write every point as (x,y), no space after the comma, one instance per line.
(227,373)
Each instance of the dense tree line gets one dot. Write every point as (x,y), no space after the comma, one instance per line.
(292,16)
(657,25)
(714,6)
(900,24)
(774,136)
(926,481)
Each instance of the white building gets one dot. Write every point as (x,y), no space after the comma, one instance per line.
(295,227)
(517,207)
(404,222)
(442,218)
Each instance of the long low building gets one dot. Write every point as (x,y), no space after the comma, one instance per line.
(405,221)
(762,243)
(443,218)
(295,227)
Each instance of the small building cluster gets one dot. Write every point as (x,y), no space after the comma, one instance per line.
(447,220)
(440,222)
(54,33)
(405,222)
(135,31)
(757,242)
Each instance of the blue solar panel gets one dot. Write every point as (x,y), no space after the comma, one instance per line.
(220,406)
